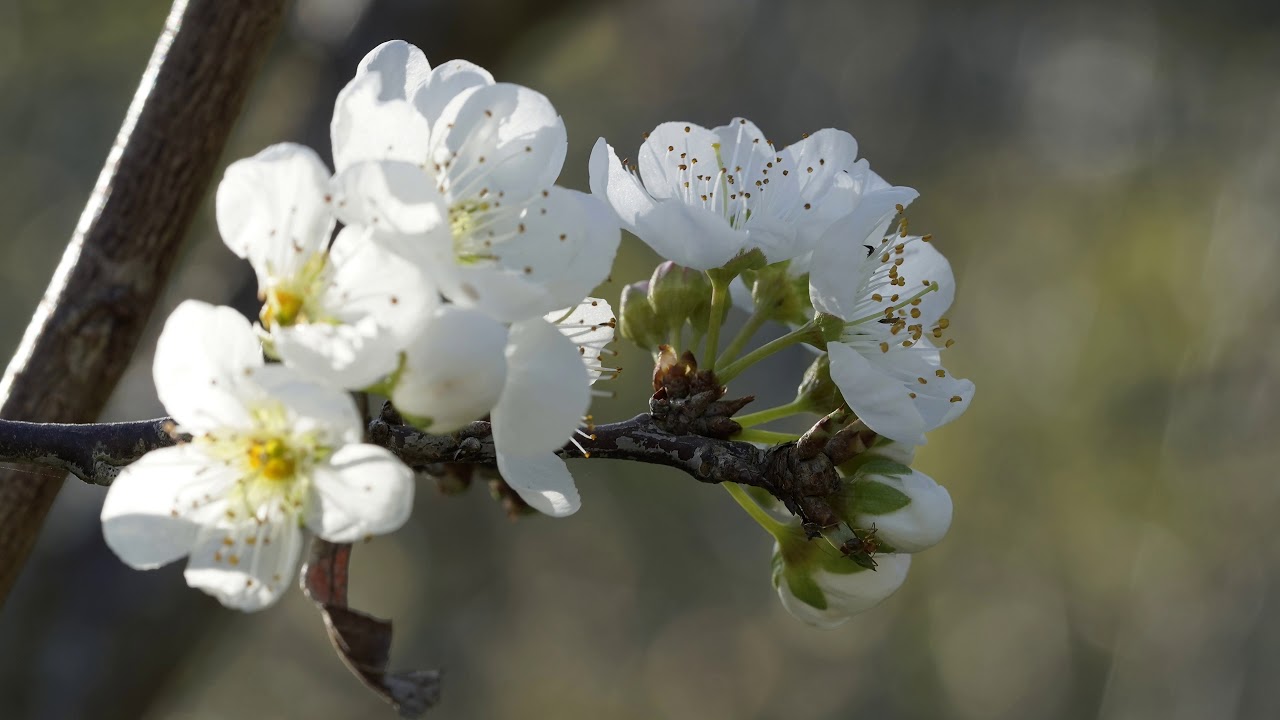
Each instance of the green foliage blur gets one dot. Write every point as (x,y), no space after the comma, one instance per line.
(1106,183)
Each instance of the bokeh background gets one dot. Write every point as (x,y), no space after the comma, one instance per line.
(1105,178)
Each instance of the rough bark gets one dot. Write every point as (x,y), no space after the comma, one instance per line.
(94,311)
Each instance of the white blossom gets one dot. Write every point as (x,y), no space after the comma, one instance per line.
(702,197)
(827,593)
(916,526)
(458,171)
(889,291)
(271,453)
(337,314)
(552,363)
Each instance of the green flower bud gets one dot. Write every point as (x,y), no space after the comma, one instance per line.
(679,293)
(817,392)
(778,294)
(821,587)
(636,319)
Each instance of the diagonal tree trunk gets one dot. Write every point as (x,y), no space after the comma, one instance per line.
(96,306)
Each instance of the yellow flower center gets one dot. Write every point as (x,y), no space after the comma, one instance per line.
(282,308)
(465,219)
(272,459)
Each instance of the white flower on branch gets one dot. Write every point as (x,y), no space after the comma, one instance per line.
(337,314)
(271,453)
(703,196)
(552,364)
(884,294)
(457,174)
(820,587)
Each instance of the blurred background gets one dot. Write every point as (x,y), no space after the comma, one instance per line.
(1106,182)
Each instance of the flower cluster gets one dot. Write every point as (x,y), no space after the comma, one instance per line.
(441,266)
(457,286)
(804,236)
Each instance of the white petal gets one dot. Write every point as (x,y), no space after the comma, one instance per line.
(400,66)
(775,237)
(818,161)
(389,196)
(499,141)
(841,266)
(200,358)
(546,394)
(273,209)
(590,326)
(156,506)
(362,490)
(454,370)
(922,263)
(444,83)
(374,118)
(564,242)
(370,281)
(676,152)
(848,594)
(612,182)
(249,565)
(542,480)
(689,236)
(879,400)
(311,408)
(921,524)
(348,355)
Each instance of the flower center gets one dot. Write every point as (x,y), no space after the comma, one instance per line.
(296,299)
(466,222)
(272,459)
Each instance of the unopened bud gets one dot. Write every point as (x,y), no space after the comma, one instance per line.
(778,295)
(817,392)
(908,510)
(636,319)
(677,294)
(820,586)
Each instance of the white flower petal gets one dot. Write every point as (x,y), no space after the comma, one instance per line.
(374,118)
(612,182)
(818,160)
(273,209)
(692,237)
(879,399)
(362,490)
(590,326)
(922,263)
(371,281)
(918,526)
(454,370)
(155,507)
(542,480)
(349,355)
(546,394)
(444,83)
(249,565)
(389,196)
(311,408)
(673,153)
(848,594)
(200,358)
(499,141)
(564,242)
(841,266)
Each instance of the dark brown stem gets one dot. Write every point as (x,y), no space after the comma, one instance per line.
(96,452)
(93,313)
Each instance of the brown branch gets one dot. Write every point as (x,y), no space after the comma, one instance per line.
(95,453)
(87,325)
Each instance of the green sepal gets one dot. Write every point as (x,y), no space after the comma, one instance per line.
(870,497)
